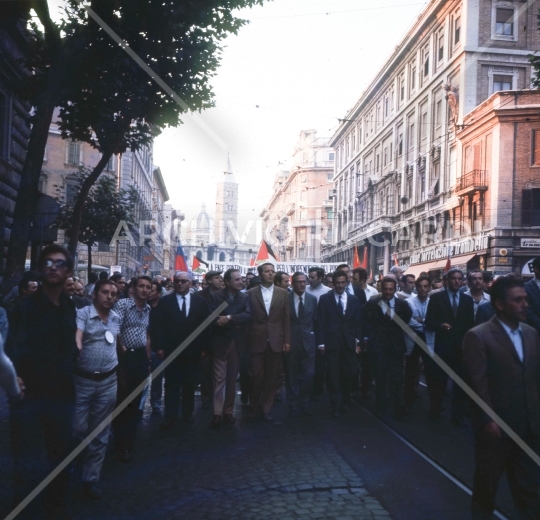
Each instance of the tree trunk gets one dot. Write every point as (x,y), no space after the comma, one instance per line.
(89,260)
(81,199)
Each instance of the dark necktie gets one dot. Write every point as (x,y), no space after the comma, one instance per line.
(183,309)
(301,308)
(388,310)
(454,304)
(340,306)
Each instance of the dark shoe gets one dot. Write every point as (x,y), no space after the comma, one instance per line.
(156,410)
(244,398)
(168,424)
(216,422)
(336,414)
(205,404)
(267,417)
(92,490)
(229,419)
(188,419)
(125,456)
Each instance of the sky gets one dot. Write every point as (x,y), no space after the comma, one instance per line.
(297,65)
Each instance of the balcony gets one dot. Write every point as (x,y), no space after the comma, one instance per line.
(291,208)
(471,182)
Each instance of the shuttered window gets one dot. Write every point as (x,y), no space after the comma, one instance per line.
(536,148)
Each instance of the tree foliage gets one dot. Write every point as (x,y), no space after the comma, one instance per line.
(105,207)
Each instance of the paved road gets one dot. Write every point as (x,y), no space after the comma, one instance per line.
(316,467)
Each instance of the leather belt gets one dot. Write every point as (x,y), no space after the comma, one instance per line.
(94,376)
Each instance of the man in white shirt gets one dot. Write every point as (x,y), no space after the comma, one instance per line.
(359,279)
(475,281)
(316,286)
(407,286)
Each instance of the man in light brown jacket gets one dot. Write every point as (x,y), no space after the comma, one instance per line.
(269,339)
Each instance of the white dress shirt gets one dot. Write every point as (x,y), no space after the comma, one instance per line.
(267,293)
(485,298)
(392,304)
(515,337)
(343,299)
(370,292)
(419,310)
(181,302)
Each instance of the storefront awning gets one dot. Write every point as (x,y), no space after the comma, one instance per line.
(420,268)
(455,260)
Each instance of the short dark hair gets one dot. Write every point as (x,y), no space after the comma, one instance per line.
(388,279)
(23,284)
(136,279)
(55,248)
(330,274)
(260,267)
(228,274)
(536,262)
(422,279)
(250,273)
(279,277)
(103,275)
(405,276)
(487,277)
(101,283)
(474,271)
(157,283)
(454,270)
(500,287)
(92,277)
(319,270)
(297,274)
(115,277)
(437,280)
(341,266)
(361,272)
(339,274)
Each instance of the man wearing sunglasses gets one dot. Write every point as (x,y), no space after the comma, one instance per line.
(43,350)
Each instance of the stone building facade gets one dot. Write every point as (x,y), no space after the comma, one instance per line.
(400,167)
(297,220)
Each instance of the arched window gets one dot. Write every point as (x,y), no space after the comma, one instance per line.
(198,254)
(222,256)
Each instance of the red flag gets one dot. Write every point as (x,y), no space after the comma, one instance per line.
(266,254)
(395,259)
(251,262)
(197,265)
(356,259)
(180,262)
(448,265)
(371,273)
(365,259)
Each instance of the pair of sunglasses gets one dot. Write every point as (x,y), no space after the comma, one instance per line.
(59,263)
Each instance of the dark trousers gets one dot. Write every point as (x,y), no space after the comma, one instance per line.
(366,377)
(207,376)
(181,379)
(132,371)
(245,378)
(340,371)
(387,367)
(156,390)
(299,371)
(41,437)
(493,458)
(321,374)
(412,374)
(264,368)
(440,380)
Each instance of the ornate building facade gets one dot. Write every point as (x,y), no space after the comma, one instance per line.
(400,167)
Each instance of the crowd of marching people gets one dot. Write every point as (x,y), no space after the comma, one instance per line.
(70,355)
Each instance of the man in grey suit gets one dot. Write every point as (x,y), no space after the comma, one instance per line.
(502,364)
(300,361)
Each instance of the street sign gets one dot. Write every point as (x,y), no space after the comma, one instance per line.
(115,269)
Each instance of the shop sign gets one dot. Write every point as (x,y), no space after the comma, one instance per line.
(115,269)
(530,242)
(469,245)
(527,268)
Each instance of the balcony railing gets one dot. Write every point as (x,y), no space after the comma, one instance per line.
(472,181)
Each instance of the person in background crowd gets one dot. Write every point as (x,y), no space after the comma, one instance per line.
(282,280)
(43,351)
(436,284)
(172,321)
(69,286)
(214,279)
(300,361)
(120,282)
(134,361)
(475,281)
(103,275)
(95,379)
(196,286)
(386,346)
(419,305)
(502,363)
(359,279)
(14,293)
(25,288)
(533,292)
(328,280)
(339,327)
(487,282)
(450,315)
(397,271)
(249,277)
(316,286)
(351,289)
(155,382)
(255,282)
(243,283)
(269,338)
(79,289)
(407,286)
(12,385)
(378,285)
(228,340)
(89,289)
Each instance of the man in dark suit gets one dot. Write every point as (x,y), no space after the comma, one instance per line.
(269,338)
(450,315)
(338,332)
(300,361)
(227,334)
(386,345)
(533,292)
(173,320)
(502,365)
(352,289)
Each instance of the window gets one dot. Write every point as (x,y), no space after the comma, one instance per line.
(440,48)
(74,153)
(71,193)
(353,140)
(110,164)
(331,156)
(502,82)
(377,162)
(425,61)
(536,148)
(411,137)
(402,88)
(413,79)
(330,177)
(504,22)
(400,145)
(457,30)
(4,124)
(530,208)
